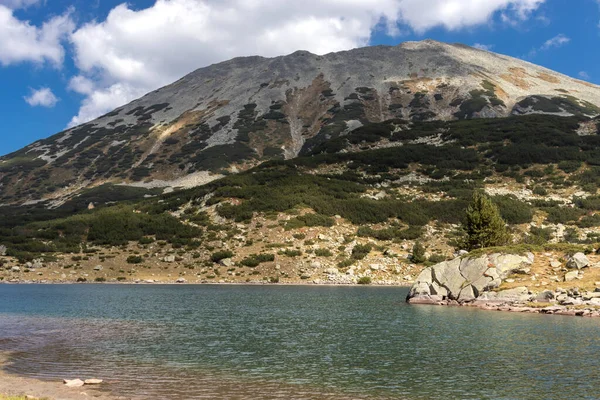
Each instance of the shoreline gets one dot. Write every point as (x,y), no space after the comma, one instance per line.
(543,309)
(375,284)
(17,385)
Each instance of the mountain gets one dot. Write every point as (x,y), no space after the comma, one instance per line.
(232,116)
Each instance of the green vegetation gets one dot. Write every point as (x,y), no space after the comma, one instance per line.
(484,227)
(365,280)
(134,260)
(323,253)
(543,152)
(221,255)
(254,260)
(418,253)
(360,251)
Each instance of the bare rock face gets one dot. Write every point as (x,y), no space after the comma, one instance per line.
(465,279)
(233,115)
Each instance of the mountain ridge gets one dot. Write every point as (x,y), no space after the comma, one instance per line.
(233,115)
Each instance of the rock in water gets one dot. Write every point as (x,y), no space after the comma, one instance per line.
(464,279)
(73,383)
(93,381)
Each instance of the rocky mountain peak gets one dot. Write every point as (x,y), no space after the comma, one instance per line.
(233,115)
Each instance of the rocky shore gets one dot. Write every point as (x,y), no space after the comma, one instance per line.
(518,283)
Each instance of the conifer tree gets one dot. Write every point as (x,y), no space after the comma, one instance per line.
(483,224)
(418,253)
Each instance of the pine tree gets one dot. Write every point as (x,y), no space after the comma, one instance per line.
(483,224)
(418,253)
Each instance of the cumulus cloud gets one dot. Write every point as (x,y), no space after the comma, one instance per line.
(422,15)
(42,97)
(556,41)
(132,52)
(20,41)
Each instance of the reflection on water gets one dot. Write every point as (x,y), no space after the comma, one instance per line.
(276,342)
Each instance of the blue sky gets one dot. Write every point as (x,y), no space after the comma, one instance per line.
(63,62)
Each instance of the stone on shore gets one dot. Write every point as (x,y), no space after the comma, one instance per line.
(93,381)
(73,383)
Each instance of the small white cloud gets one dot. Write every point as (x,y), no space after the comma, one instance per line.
(556,41)
(42,97)
(486,47)
(584,75)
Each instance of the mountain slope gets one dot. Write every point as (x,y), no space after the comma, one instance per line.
(233,115)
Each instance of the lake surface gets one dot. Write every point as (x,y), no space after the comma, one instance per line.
(292,342)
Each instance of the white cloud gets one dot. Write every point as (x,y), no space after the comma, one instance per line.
(81,85)
(42,97)
(422,15)
(486,47)
(18,3)
(584,75)
(137,51)
(20,41)
(103,100)
(556,41)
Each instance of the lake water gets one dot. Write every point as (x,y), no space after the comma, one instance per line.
(292,342)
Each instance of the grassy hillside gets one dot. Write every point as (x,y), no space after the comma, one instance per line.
(394,182)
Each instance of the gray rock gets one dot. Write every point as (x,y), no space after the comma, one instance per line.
(3,250)
(93,381)
(578,261)
(169,259)
(516,294)
(420,289)
(438,290)
(15,269)
(571,276)
(467,294)
(555,264)
(180,280)
(226,262)
(545,296)
(473,269)
(98,268)
(507,263)
(448,274)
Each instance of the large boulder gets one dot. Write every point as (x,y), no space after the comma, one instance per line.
(577,261)
(465,278)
